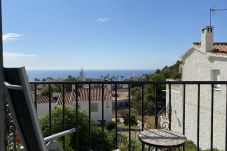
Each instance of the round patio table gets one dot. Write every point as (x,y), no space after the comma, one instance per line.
(161,138)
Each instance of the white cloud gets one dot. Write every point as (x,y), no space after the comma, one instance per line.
(11,55)
(11,36)
(101,20)
(12,59)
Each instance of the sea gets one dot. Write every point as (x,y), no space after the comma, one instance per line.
(92,74)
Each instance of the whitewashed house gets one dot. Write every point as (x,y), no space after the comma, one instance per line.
(96,102)
(204,61)
(43,104)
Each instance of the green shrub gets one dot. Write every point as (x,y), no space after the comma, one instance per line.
(110,125)
(123,143)
(82,130)
(133,119)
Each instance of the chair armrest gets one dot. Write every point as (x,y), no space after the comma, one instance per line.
(58,135)
(13,87)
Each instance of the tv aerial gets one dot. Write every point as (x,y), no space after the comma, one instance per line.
(213,10)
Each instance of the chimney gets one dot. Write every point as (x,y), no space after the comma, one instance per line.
(207,39)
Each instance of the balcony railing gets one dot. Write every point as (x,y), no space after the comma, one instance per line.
(196,109)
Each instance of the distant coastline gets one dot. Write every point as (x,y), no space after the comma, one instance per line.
(93,74)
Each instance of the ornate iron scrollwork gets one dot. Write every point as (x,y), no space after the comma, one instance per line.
(158,110)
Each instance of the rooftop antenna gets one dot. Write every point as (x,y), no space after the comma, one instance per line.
(213,10)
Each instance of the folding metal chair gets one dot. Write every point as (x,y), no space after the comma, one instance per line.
(21,105)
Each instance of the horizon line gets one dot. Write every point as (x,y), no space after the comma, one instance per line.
(90,69)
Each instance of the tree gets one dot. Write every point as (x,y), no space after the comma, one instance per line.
(110,125)
(53,88)
(154,92)
(123,143)
(70,78)
(136,99)
(82,129)
(69,87)
(37,79)
(133,120)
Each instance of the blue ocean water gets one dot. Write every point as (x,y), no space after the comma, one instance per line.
(95,74)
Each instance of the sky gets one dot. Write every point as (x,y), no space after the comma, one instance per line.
(105,34)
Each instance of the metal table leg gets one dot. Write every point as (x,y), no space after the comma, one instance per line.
(151,148)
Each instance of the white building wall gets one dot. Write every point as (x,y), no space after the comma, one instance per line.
(84,105)
(44,108)
(198,67)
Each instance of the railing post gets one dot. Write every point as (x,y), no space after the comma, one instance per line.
(129,116)
(63,113)
(170,107)
(89,115)
(2,100)
(50,101)
(184,89)
(103,148)
(115,95)
(77,123)
(226,117)
(142,112)
(198,118)
(156,102)
(212,118)
(35,96)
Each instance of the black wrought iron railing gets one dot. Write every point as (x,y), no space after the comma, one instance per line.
(157,99)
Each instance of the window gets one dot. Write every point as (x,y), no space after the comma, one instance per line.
(94,107)
(215,76)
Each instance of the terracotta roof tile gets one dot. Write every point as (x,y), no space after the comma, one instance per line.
(44,99)
(218,47)
(83,95)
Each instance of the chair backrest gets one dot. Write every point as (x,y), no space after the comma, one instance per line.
(22,107)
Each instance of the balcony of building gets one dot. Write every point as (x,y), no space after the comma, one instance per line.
(193,108)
